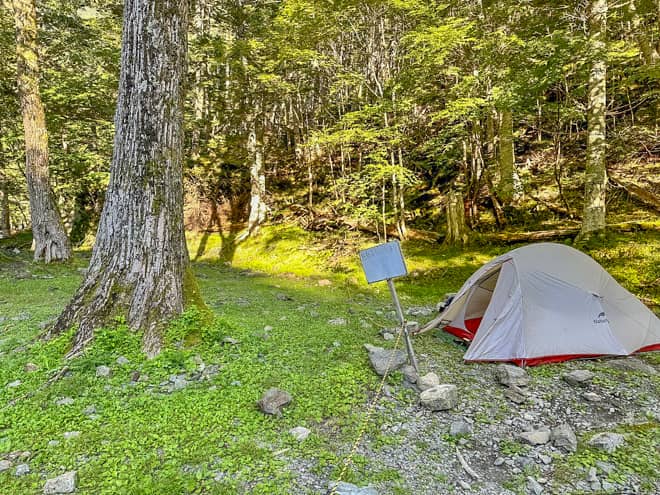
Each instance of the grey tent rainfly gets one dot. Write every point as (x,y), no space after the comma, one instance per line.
(547,303)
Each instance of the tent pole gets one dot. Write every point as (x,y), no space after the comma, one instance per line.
(404,325)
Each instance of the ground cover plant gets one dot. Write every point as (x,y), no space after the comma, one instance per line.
(292,311)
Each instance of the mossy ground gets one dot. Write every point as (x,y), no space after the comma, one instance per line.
(209,437)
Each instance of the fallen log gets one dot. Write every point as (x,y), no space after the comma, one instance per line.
(636,191)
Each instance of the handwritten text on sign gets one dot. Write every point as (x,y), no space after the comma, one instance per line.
(383,262)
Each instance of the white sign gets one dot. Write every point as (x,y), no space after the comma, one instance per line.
(383,262)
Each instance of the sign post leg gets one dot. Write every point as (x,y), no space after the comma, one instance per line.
(404,326)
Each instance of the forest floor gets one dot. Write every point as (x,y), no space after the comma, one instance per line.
(292,311)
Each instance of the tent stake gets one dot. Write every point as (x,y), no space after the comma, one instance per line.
(404,325)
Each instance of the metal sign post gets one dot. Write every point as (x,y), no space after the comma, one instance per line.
(385,262)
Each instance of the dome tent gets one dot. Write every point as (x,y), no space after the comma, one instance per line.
(547,303)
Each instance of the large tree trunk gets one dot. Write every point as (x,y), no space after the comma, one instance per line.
(258,207)
(5,226)
(140,268)
(506,158)
(596,175)
(457,230)
(50,240)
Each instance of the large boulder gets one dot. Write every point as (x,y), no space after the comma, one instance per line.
(510,375)
(563,437)
(578,377)
(382,358)
(440,397)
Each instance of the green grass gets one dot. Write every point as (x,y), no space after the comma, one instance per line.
(148,442)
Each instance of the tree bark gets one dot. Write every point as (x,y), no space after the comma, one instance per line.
(5,226)
(50,240)
(457,230)
(506,158)
(139,268)
(596,175)
(258,207)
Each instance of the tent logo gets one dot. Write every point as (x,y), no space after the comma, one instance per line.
(601,318)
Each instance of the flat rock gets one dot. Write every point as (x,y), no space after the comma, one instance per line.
(5,465)
(607,441)
(337,321)
(22,470)
(31,368)
(343,488)
(534,486)
(122,361)
(300,433)
(440,397)
(580,378)
(516,394)
(509,375)
(14,384)
(563,437)
(64,401)
(380,359)
(103,371)
(591,397)
(631,364)
(68,435)
(536,437)
(428,381)
(459,428)
(273,401)
(65,483)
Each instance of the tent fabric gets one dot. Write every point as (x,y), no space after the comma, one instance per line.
(548,302)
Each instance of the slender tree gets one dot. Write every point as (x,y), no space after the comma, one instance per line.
(5,227)
(139,268)
(596,174)
(50,240)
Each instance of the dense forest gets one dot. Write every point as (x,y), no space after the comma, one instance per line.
(378,115)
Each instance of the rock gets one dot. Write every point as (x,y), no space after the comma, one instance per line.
(428,381)
(563,437)
(388,336)
(459,428)
(499,461)
(5,465)
(324,282)
(607,441)
(380,358)
(68,435)
(440,397)
(579,378)
(179,382)
(592,475)
(210,371)
(545,459)
(103,372)
(31,368)
(632,364)
(420,311)
(536,437)
(14,384)
(343,488)
(22,470)
(515,394)
(53,443)
(591,396)
(509,375)
(65,483)
(464,485)
(122,361)
(273,401)
(534,486)
(605,467)
(300,433)
(230,341)
(607,486)
(337,321)
(283,297)
(89,410)
(409,374)
(64,401)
